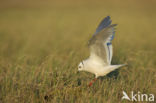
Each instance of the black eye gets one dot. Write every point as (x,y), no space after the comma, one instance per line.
(79,66)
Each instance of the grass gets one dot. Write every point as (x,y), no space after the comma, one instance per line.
(41,44)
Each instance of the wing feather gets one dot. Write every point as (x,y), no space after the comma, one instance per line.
(104,23)
(100,44)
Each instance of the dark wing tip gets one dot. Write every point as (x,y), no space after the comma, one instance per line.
(104,23)
(113,25)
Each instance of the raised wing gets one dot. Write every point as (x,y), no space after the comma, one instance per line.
(104,23)
(100,44)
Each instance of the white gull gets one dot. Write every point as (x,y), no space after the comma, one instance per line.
(99,61)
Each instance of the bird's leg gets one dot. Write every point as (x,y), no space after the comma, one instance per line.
(90,84)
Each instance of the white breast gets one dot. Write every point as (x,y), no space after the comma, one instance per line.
(95,67)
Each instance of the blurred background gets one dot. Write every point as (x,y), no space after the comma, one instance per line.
(37,27)
(41,38)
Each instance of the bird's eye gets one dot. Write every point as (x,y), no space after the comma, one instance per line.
(79,66)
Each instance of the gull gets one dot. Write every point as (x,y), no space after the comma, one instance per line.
(100,45)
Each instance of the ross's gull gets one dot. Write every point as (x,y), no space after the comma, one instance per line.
(99,61)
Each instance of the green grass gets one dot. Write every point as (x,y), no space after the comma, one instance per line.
(42,44)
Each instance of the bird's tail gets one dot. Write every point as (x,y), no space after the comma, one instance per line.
(117,66)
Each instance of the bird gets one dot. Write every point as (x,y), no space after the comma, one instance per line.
(101,51)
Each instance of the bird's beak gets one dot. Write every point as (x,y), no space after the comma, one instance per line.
(78,72)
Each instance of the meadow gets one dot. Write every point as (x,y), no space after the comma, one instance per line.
(42,43)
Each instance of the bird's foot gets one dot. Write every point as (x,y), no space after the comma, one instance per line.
(91,83)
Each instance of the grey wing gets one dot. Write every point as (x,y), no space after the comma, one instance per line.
(104,23)
(100,44)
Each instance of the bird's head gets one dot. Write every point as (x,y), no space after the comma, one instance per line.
(81,66)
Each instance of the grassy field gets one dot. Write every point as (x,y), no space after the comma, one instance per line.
(41,44)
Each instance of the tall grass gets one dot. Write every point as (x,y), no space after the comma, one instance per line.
(42,44)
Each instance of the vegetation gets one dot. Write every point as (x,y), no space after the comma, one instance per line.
(41,44)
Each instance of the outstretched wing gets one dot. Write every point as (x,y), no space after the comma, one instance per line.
(100,44)
(104,23)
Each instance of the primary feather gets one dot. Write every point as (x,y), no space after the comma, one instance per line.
(104,23)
